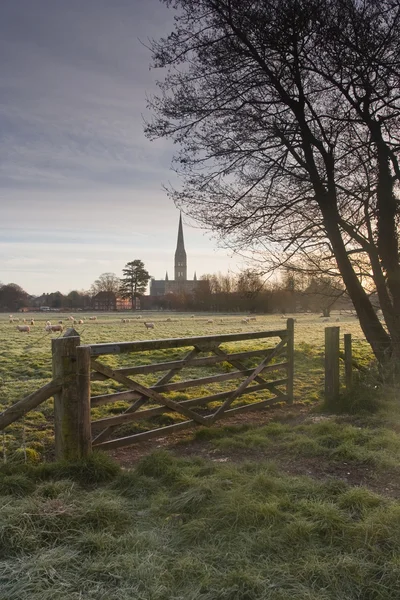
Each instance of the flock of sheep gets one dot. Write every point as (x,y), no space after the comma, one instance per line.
(49,327)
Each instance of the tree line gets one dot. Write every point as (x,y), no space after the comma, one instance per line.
(131,285)
(217,292)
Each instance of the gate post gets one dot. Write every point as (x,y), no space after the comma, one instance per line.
(348,361)
(290,360)
(71,369)
(332,383)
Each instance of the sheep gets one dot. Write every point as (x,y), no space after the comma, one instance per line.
(92,318)
(210,321)
(32,321)
(80,322)
(23,328)
(125,320)
(169,320)
(148,325)
(24,320)
(60,322)
(48,323)
(10,317)
(71,318)
(245,320)
(50,328)
(192,316)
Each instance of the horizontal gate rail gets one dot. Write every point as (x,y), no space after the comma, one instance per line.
(122,347)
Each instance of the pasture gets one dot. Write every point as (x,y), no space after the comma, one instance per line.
(303,506)
(25,363)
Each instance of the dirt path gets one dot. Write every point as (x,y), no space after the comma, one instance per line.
(182,444)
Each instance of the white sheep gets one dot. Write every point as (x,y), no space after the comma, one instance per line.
(148,325)
(50,328)
(80,321)
(125,320)
(24,328)
(210,321)
(71,318)
(32,321)
(92,318)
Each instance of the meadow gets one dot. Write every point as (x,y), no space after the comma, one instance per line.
(25,363)
(301,504)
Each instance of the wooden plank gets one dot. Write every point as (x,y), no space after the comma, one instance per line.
(142,399)
(20,408)
(159,410)
(197,362)
(143,346)
(290,358)
(332,382)
(83,434)
(248,380)
(134,385)
(141,437)
(348,361)
(255,405)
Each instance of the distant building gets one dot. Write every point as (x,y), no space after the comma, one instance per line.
(181,284)
(105,301)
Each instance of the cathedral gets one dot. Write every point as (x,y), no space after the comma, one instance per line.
(181,284)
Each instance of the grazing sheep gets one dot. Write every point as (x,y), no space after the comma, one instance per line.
(125,320)
(32,321)
(92,318)
(245,320)
(48,322)
(148,325)
(50,328)
(24,328)
(210,321)
(80,321)
(71,318)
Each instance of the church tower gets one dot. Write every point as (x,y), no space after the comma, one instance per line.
(180,256)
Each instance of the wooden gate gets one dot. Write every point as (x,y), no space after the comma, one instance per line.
(153,400)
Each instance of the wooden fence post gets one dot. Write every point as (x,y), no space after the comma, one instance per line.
(332,383)
(290,359)
(72,403)
(348,361)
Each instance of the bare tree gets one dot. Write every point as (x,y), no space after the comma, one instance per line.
(106,282)
(287,114)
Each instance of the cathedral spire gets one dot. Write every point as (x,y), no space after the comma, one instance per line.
(166,275)
(195,276)
(180,255)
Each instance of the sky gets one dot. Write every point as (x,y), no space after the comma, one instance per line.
(81,188)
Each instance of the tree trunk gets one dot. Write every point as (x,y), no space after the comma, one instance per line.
(373,330)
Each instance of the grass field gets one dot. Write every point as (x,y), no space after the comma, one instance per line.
(25,363)
(304,506)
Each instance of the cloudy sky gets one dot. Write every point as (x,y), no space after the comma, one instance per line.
(80,186)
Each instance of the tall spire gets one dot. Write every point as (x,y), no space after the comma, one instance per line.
(195,276)
(180,255)
(166,275)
